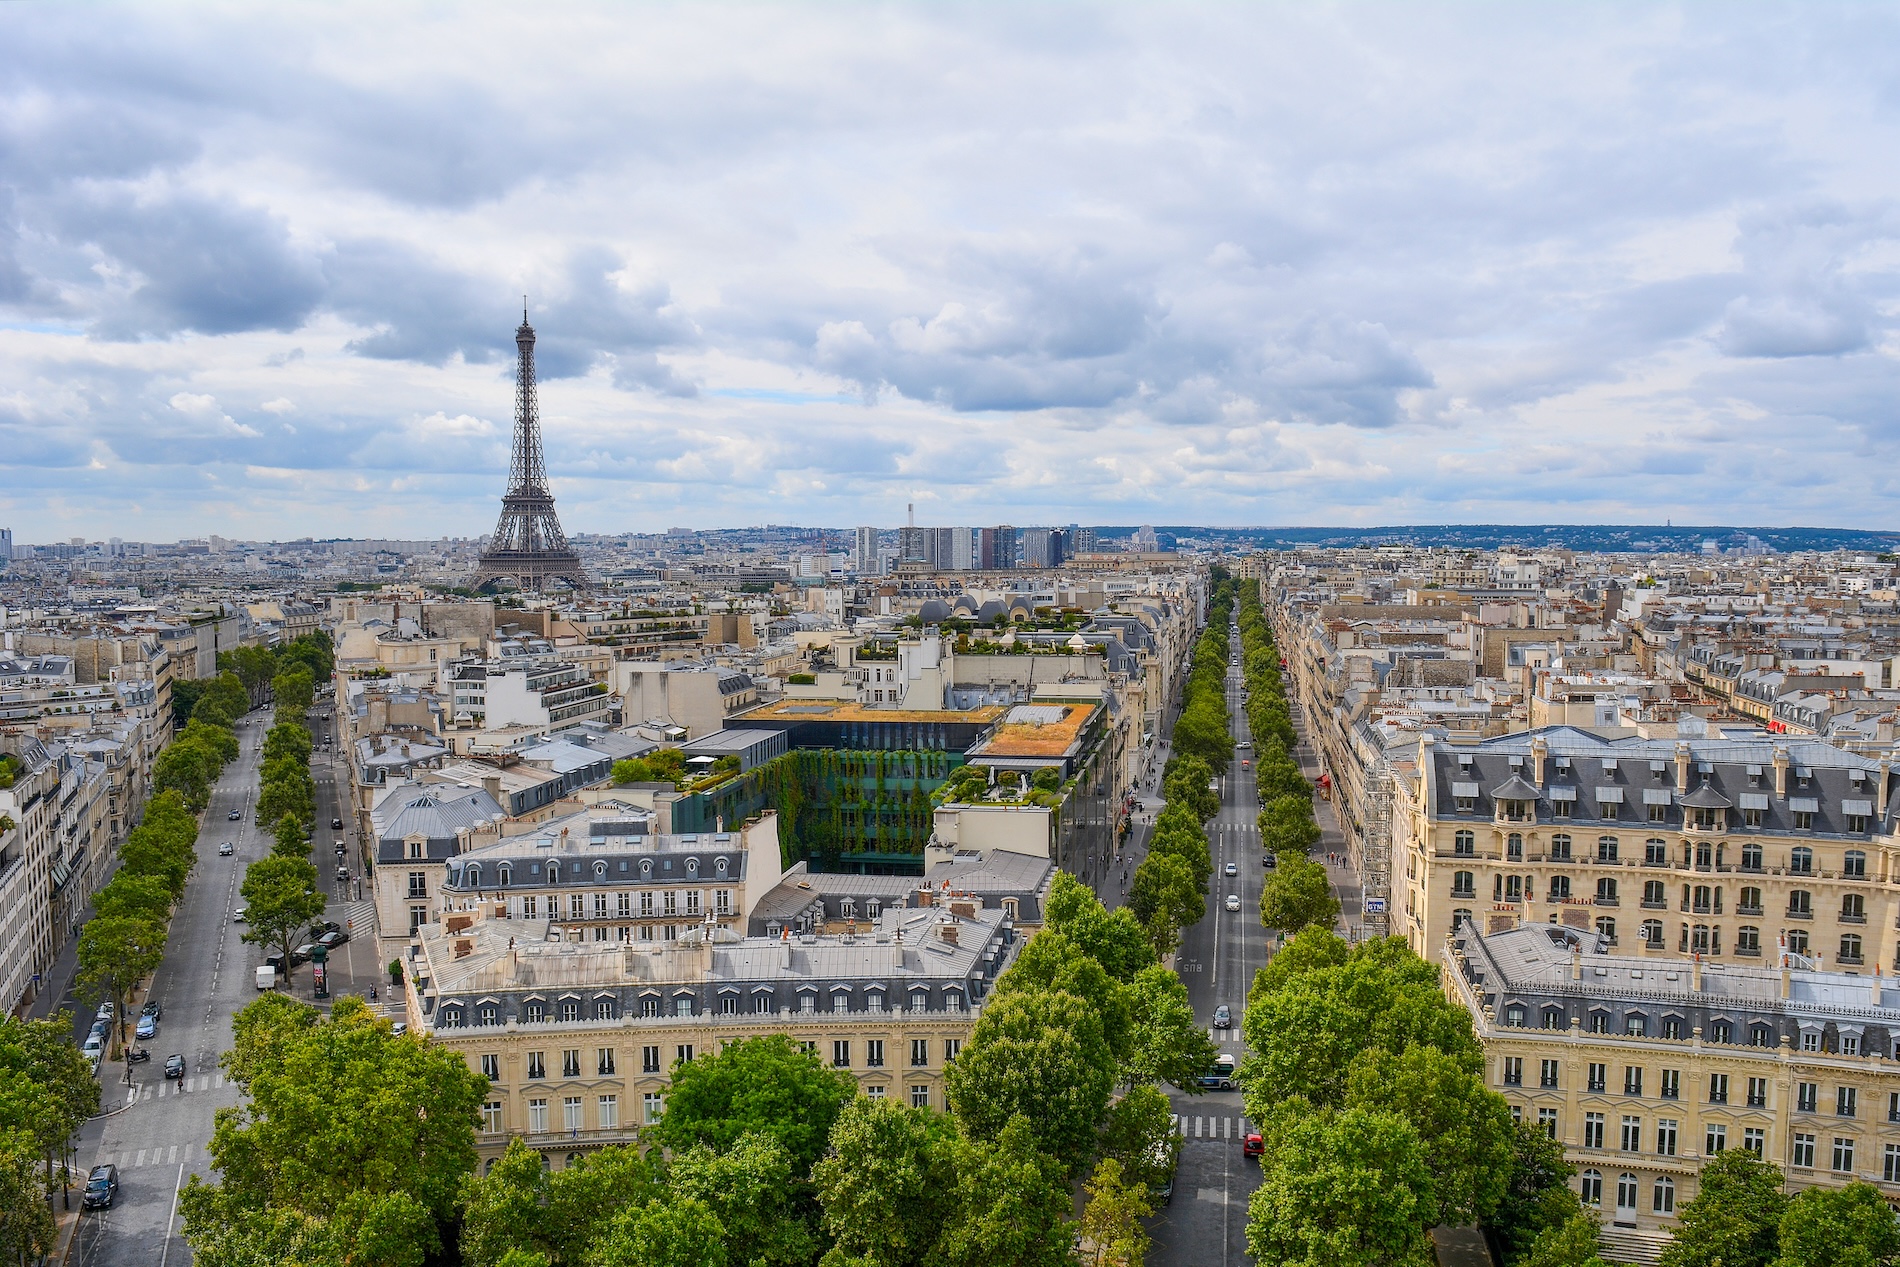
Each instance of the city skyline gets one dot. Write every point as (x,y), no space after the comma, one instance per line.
(1358,267)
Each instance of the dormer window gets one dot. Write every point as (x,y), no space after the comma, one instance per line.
(692,866)
(503,874)
(600,871)
(719,866)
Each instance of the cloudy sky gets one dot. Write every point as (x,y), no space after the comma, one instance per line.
(1250,264)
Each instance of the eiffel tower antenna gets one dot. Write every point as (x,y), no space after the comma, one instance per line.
(528,546)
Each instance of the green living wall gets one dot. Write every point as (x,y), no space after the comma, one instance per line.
(839,810)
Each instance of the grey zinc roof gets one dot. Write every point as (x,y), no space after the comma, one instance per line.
(437,810)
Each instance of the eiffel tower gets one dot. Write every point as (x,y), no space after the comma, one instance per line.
(528,546)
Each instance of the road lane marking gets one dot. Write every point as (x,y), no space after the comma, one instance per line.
(171,1219)
(141,1160)
(173,1155)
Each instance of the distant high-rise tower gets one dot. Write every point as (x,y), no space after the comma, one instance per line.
(528,545)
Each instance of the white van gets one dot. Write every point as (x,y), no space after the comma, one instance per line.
(266,977)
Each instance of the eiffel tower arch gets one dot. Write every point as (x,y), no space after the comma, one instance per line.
(528,547)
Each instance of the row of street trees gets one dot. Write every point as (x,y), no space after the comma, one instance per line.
(280,891)
(1368,1086)
(46,1092)
(358,1146)
(1298,893)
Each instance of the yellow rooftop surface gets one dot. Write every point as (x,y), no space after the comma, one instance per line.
(850,710)
(1042,738)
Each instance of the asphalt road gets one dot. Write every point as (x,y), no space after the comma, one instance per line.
(1206,1223)
(157,1130)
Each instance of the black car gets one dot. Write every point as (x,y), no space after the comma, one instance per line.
(322,926)
(102,1185)
(332,939)
(336,824)
(153,1008)
(174,1066)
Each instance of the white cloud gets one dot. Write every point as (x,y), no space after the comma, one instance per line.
(1230,264)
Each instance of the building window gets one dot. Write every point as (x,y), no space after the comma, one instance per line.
(604,1060)
(537,1070)
(571,1062)
(537,1117)
(571,1114)
(1590,1191)
(1718,1088)
(1803,1151)
(1560,888)
(841,1002)
(1755,1140)
(603,1009)
(1606,849)
(920,1096)
(670,902)
(1666,1137)
(692,901)
(1636,1024)
(762,1003)
(1801,860)
(1850,1045)
(1462,885)
(1843,1155)
(951,1046)
(1596,1077)
(570,1010)
(1593,1130)
(1748,940)
(1599,1022)
(418,884)
(1547,1073)
(1464,845)
(576,905)
(874,1053)
(1513,1071)
(722,902)
(1715,1139)
(1663,1199)
(919,1052)
(1655,852)
(609,1106)
(646,904)
(1560,843)
(728,1005)
(650,1108)
(841,1053)
(1626,1196)
(1806,1096)
(1632,1134)
(1606,928)
(491,1068)
(683,1006)
(1854,862)
(1670,1084)
(1890,1164)
(491,1117)
(683,1053)
(649,1060)
(600,906)
(1846,1102)
(1547,1122)
(1850,947)
(1632,1079)
(1803,820)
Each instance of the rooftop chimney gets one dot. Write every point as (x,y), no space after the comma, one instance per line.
(1682,769)
(1539,751)
(1781,770)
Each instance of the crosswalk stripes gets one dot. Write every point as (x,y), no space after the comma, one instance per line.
(160,1156)
(359,918)
(1203,1127)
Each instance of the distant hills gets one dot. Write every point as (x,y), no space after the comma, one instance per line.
(1659,538)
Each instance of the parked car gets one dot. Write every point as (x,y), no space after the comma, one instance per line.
(1270,861)
(238,916)
(332,939)
(322,926)
(147,1027)
(1233,901)
(105,1010)
(305,952)
(266,977)
(174,1066)
(336,824)
(1223,1018)
(152,1008)
(226,849)
(1253,1146)
(342,873)
(102,1185)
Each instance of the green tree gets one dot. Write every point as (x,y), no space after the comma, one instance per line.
(1315,946)
(288,840)
(750,1192)
(1116,940)
(1287,826)
(146,897)
(1538,1199)
(294,689)
(1166,1042)
(287,743)
(215,739)
(116,952)
(281,797)
(1469,1126)
(1050,961)
(280,900)
(1139,1133)
(187,769)
(520,1207)
(47,1092)
(389,1229)
(1572,1243)
(1009,1204)
(767,1085)
(1164,897)
(1112,1233)
(343,1114)
(665,1232)
(1299,893)
(1348,1189)
(1839,1227)
(27,1230)
(1040,1055)
(1734,1219)
(882,1185)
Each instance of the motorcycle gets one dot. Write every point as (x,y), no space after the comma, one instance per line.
(137,1056)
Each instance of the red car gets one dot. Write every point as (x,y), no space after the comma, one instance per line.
(1253,1146)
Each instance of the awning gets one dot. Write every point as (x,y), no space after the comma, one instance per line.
(1804,804)
(1464,789)
(1657,796)
(1755,800)
(1609,796)
(1563,793)
(1864,808)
